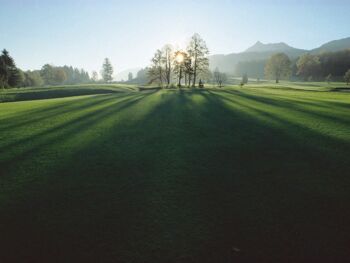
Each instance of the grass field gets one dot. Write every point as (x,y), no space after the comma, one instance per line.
(35,93)
(252,174)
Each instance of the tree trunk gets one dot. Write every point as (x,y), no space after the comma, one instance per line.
(194,71)
(180,77)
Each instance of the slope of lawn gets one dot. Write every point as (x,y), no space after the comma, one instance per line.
(231,175)
(21,94)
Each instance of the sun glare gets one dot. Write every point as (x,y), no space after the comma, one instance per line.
(179,57)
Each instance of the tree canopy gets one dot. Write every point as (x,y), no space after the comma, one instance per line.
(182,66)
(278,66)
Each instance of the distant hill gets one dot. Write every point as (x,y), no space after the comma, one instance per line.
(260,51)
(274,47)
(332,46)
(123,75)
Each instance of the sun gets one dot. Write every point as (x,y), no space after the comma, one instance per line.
(179,57)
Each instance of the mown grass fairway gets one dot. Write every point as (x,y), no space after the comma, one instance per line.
(232,175)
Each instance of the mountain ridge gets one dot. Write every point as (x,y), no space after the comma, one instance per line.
(260,51)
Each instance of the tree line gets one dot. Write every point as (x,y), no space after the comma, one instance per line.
(327,66)
(11,76)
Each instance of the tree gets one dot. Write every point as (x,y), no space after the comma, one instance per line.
(16,78)
(10,76)
(156,72)
(130,76)
(188,70)
(347,77)
(308,65)
(162,66)
(278,66)
(219,77)
(94,76)
(198,51)
(167,60)
(142,76)
(245,78)
(179,65)
(107,71)
(33,79)
(59,76)
(328,79)
(47,73)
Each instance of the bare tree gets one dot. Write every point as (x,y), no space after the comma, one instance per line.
(94,76)
(198,51)
(155,73)
(219,77)
(179,65)
(188,70)
(167,60)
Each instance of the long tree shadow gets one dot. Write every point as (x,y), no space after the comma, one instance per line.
(263,105)
(41,113)
(32,144)
(181,177)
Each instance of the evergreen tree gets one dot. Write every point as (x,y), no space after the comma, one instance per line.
(10,76)
(107,71)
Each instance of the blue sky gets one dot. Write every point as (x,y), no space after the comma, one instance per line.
(81,33)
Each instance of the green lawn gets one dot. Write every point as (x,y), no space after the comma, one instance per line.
(250,174)
(35,93)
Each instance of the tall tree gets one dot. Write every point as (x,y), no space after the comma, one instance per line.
(167,60)
(10,76)
(107,71)
(188,70)
(179,65)
(278,66)
(156,71)
(198,51)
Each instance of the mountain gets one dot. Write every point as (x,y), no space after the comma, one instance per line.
(276,47)
(259,51)
(332,46)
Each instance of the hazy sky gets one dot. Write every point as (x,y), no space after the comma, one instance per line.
(81,33)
